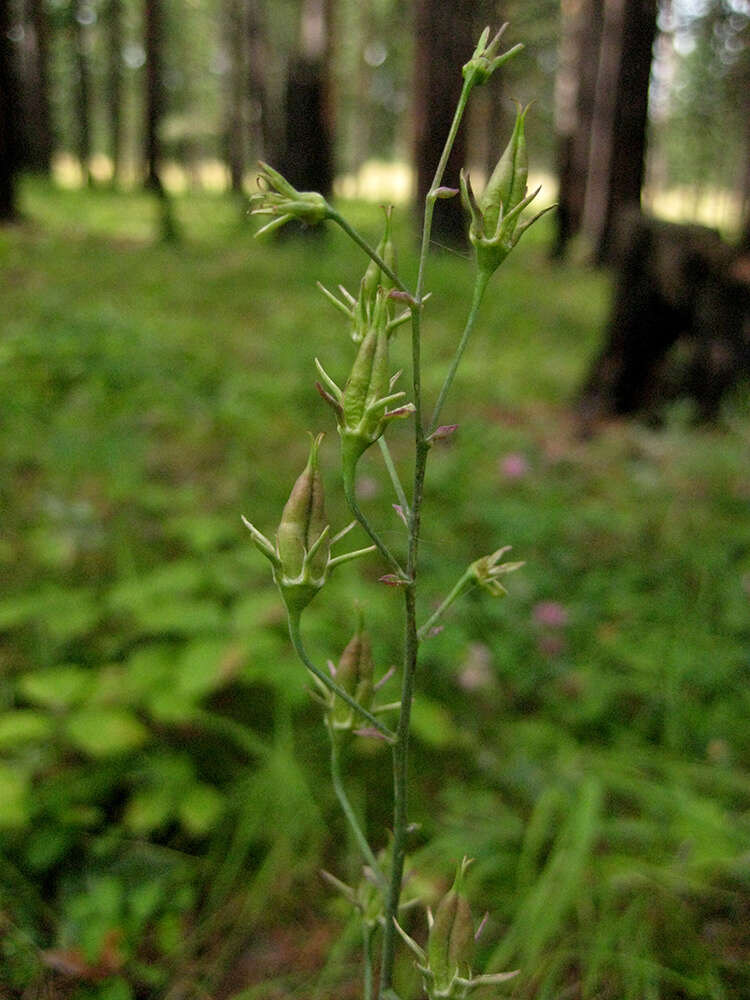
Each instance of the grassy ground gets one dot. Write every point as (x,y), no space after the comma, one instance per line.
(163,812)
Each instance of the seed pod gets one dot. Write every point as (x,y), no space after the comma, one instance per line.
(372,280)
(355,675)
(303,521)
(507,185)
(450,946)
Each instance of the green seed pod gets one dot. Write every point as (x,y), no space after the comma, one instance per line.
(355,675)
(507,185)
(372,280)
(303,521)
(450,946)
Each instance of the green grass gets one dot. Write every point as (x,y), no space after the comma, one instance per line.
(161,765)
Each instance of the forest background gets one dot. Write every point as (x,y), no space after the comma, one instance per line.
(162,817)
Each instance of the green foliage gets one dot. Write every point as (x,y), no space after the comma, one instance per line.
(158,752)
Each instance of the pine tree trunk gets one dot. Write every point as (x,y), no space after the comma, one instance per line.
(235,115)
(154,108)
(78,13)
(444,41)
(618,134)
(38,140)
(8,122)
(575,87)
(308,157)
(114,85)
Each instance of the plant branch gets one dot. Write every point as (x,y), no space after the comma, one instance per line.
(429,207)
(346,806)
(480,285)
(294,634)
(393,473)
(458,589)
(348,480)
(362,243)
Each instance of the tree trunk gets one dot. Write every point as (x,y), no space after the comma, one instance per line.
(114,85)
(678,322)
(153,30)
(308,158)
(37,131)
(444,41)
(79,13)
(154,39)
(618,133)
(236,94)
(265,137)
(575,87)
(8,122)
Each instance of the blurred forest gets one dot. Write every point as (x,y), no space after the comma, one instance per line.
(164,805)
(127,90)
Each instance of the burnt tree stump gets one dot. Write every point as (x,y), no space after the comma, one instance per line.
(679,326)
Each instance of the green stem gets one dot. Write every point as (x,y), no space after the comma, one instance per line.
(393,473)
(480,285)
(349,490)
(411,638)
(346,806)
(352,233)
(367,950)
(294,634)
(460,588)
(429,207)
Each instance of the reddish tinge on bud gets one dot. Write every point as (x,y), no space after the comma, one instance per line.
(450,946)
(303,521)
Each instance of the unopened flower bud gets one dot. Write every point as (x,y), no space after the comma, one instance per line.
(495,226)
(487,571)
(373,279)
(485,60)
(278,198)
(354,673)
(303,521)
(362,407)
(301,557)
(450,946)
(506,187)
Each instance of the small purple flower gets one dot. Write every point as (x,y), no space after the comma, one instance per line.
(514,466)
(551,614)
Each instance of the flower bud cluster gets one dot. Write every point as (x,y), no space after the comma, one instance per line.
(301,558)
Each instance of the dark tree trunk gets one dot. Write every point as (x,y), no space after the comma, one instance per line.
(8,122)
(114,85)
(38,142)
(575,98)
(308,157)
(444,41)
(154,109)
(618,135)
(235,134)
(265,132)
(79,21)
(679,322)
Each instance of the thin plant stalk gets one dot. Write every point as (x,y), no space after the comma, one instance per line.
(296,637)
(480,285)
(351,816)
(400,748)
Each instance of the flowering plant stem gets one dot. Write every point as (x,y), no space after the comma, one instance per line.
(295,636)
(351,816)
(301,557)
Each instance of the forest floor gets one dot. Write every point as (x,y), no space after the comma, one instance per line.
(162,768)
